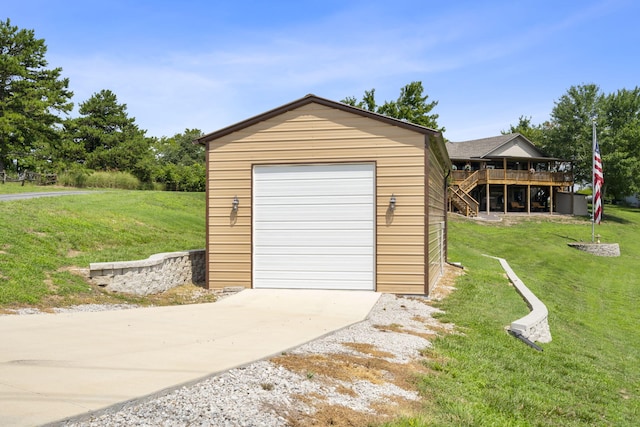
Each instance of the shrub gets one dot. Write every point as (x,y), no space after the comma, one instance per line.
(121,180)
(182,178)
(74,178)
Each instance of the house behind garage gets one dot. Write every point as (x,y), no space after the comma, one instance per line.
(317,194)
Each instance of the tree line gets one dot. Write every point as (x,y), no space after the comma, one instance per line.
(36,133)
(568,134)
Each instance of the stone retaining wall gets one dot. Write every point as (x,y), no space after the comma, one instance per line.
(158,273)
(599,249)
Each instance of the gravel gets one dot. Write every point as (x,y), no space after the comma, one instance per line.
(264,393)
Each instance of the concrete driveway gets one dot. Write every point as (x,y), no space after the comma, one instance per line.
(54,366)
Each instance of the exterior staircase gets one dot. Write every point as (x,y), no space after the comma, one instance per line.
(460,198)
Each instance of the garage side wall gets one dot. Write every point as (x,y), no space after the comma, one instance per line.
(436,220)
(316,134)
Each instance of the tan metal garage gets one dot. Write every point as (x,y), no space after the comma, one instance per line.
(319,194)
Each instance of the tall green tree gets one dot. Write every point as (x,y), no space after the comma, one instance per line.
(368,101)
(105,138)
(570,135)
(32,97)
(181,162)
(411,106)
(180,149)
(619,139)
(534,133)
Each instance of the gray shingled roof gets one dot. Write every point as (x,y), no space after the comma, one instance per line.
(479,148)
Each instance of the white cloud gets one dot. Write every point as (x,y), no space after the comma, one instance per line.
(214,85)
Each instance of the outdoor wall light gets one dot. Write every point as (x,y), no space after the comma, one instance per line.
(392,202)
(235,203)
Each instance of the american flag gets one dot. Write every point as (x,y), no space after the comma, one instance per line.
(598,182)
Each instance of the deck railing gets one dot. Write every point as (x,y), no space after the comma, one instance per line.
(497,176)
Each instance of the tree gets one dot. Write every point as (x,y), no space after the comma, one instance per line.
(619,139)
(368,101)
(411,106)
(180,149)
(30,96)
(570,135)
(182,163)
(534,133)
(105,138)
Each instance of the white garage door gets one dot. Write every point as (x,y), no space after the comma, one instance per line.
(313,226)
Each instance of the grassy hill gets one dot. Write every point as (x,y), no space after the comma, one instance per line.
(588,375)
(43,239)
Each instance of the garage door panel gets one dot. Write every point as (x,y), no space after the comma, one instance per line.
(320,250)
(331,238)
(317,284)
(338,276)
(348,212)
(301,172)
(315,200)
(315,263)
(324,187)
(314,226)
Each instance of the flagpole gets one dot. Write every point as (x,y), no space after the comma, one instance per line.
(593,184)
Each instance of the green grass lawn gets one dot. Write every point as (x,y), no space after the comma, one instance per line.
(40,239)
(588,375)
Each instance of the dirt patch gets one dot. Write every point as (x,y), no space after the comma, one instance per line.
(512,219)
(342,416)
(72,253)
(184,294)
(341,372)
(401,329)
(339,367)
(446,283)
(367,349)
(35,232)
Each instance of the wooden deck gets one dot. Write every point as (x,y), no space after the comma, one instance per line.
(509,190)
(514,177)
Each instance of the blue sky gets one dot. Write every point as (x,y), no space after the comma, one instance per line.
(210,64)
